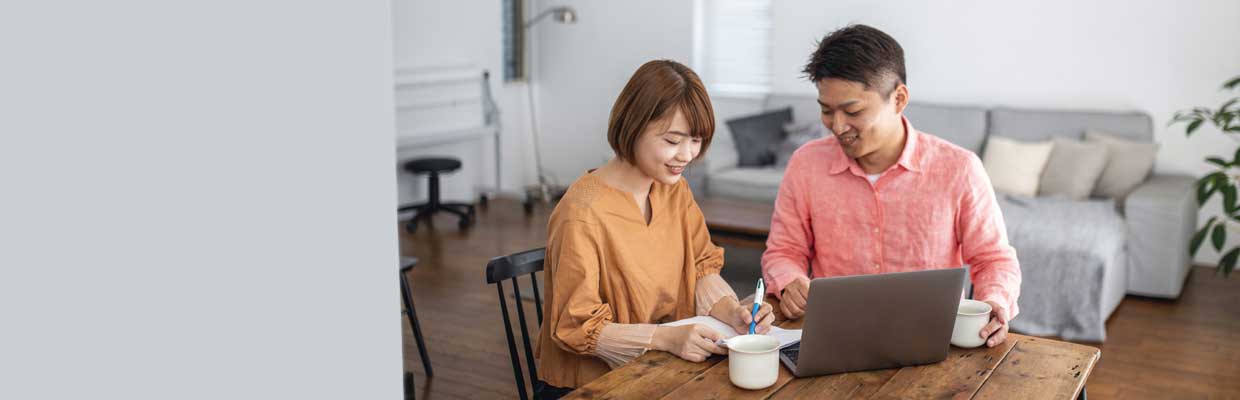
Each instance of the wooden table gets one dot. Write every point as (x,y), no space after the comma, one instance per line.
(741,223)
(1023,367)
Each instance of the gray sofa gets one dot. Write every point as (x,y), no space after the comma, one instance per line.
(1078,258)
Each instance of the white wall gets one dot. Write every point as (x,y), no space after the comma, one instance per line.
(197,200)
(1156,57)
(1152,56)
(582,67)
(435,34)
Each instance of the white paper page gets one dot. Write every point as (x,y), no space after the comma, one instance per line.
(785,337)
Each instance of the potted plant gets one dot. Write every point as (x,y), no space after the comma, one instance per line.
(1222,180)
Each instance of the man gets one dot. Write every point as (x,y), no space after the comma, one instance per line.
(877,196)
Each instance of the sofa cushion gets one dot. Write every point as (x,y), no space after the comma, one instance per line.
(1067,251)
(963,126)
(754,135)
(1073,169)
(796,134)
(758,184)
(1016,167)
(1038,125)
(1132,163)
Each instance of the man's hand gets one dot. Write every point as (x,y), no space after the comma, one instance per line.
(795,297)
(995,332)
(693,342)
(738,315)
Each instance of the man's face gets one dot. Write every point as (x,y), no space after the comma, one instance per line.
(863,120)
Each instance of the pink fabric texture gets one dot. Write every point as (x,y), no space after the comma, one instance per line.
(935,208)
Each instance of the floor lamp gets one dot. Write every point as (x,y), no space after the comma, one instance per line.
(543,191)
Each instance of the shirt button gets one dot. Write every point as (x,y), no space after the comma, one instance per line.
(875,266)
(875,231)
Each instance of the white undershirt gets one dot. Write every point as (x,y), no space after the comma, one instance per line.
(873,177)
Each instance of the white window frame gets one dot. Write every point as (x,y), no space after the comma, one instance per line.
(746,27)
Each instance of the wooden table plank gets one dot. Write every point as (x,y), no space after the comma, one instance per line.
(1023,367)
(1041,369)
(851,385)
(958,376)
(650,376)
(715,384)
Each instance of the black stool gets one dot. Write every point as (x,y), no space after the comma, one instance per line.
(406,264)
(433,167)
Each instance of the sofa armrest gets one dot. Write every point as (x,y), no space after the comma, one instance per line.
(695,175)
(1162,216)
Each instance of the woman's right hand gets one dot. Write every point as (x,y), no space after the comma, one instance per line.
(691,342)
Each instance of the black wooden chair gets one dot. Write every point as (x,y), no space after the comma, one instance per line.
(406,296)
(509,268)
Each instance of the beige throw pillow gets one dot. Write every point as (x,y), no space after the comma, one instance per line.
(1128,165)
(1016,167)
(1073,169)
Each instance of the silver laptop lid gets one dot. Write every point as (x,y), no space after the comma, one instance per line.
(865,322)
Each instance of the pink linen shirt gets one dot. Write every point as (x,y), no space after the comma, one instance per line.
(934,208)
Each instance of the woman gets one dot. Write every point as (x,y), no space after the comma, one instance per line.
(628,248)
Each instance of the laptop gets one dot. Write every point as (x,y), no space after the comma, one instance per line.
(867,322)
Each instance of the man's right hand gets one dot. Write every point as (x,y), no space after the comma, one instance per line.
(794,298)
(693,342)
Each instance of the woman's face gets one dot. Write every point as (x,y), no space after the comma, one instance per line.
(665,149)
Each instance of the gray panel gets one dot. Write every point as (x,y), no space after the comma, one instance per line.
(1162,217)
(963,126)
(804,106)
(1040,125)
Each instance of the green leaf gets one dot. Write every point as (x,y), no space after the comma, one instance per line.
(1219,236)
(1181,116)
(1229,197)
(1218,161)
(1228,262)
(1207,185)
(1192,127)
(1236,158)
(1223,108)
(1232,83)
(1199,237)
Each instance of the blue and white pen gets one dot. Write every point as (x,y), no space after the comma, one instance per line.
(757,304)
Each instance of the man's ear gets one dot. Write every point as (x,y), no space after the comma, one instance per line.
(901,97)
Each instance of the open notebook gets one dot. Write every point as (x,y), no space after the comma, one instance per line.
(786,337)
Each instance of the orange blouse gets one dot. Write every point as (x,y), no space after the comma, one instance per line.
(606,265)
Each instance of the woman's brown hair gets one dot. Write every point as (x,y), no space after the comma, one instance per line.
(654,93)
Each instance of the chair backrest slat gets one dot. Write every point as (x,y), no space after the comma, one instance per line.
(525,335)
(537,297)
(512,345)
(509,268)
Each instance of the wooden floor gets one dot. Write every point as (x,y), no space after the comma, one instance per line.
(1183,349)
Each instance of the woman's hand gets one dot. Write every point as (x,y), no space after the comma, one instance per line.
(692,342)
(738,315)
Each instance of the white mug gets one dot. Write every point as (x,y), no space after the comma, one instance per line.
(971,317)
(753,361)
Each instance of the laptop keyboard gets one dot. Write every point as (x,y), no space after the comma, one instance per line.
(792,352)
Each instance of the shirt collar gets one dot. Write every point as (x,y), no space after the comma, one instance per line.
(909,156)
